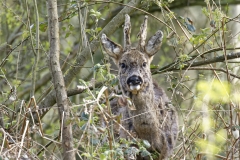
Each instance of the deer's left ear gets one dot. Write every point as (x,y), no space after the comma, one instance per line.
(154,43)
(114,50)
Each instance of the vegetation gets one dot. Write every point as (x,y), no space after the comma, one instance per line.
(197,66)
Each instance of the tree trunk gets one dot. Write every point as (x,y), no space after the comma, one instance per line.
(59,86)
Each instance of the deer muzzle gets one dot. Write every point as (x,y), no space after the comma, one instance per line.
(134,82)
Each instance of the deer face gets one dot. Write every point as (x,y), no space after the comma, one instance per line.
(133,64)
(134,71)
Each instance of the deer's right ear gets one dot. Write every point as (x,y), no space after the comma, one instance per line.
(154,43)
(113,50)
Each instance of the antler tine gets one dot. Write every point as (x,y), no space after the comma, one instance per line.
(127,31)
(143,34)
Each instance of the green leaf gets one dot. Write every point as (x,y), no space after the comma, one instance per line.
(184,57)
(103,156)
(206,31)
(69,121)
(43,27)
(71,28)
(95,13)
(146,144)
(152,66)
(98,29)
(64,28)
(67,34)
(132,151)
(119,152)
(190,27)
(83,127)
(145,153)
(181,17)
(205,11)
(84,116)
(173,42)
(114,82)
(94,141)
(169,89)
(236,127)
(87,30)
(86,155)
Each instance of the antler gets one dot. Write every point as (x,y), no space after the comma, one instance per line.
(143,34)
(127,31)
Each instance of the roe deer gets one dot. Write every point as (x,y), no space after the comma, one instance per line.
(154,118)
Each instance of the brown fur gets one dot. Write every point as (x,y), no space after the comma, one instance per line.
(155,119)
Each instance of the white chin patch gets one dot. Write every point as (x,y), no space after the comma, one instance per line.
(134,88)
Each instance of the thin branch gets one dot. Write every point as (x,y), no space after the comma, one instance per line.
(224,49)
(215,69)
(215,60)
(8,54)
(215,50)
(23,136)
(36,52)
(200,63)
(196,56)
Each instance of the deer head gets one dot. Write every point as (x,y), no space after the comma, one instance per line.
(134,63)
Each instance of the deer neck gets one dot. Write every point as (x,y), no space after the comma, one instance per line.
(145,113)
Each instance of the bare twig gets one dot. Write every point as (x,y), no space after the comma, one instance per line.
(48,144)
(110,134)
(38,115)
(36,52)
(23,136)
(224,49)
(9,53)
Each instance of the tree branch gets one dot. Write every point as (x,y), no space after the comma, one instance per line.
(200,63)
(187,3)
(8,54)
(215,60)
(35,51)
(213,69)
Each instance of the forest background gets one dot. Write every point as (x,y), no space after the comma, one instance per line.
(49,48)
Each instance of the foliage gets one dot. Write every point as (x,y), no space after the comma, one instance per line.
(203,87)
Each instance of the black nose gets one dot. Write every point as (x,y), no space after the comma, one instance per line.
(134,80)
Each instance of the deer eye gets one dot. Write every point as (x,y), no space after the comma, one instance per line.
(144,64)
(122,65)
